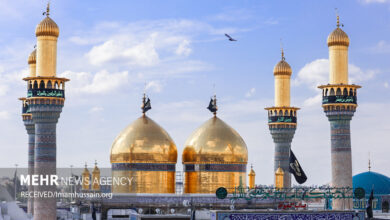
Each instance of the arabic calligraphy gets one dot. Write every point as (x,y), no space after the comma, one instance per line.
(338,99)
(286,119)
(291,205)
(46,93)
(293,193)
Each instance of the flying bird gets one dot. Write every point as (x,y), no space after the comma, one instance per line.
(230,38)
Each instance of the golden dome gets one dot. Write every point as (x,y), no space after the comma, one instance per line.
(47,27)
(282,68)
(338,37)
(86,171)
(143,141)
(96,169)
(252,172)
(279,171)
(215,142)
(33,57)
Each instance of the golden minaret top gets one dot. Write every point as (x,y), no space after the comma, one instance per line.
(47,27)
(282,68)
(338,36)
(338,43)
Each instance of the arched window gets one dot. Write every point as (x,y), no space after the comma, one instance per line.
(338,92)
(56,85)
(331,91)
(35,84)
(286,113)
(42,84)
(350,92)
(345,92)
(326,92)
(49,84)
(280,113)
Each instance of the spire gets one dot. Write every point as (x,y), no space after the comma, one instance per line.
(281,48)
(369,162)
(47,12)
(95,163)
(338,17)
(85,164)
(48,9)
(146,106)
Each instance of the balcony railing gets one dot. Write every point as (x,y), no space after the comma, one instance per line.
(339,99)
(56,93)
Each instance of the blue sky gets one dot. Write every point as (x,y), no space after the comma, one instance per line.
(110,50)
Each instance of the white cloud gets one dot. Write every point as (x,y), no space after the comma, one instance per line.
(250,93)
(313,101)
(155,86)
(101,82)
(386,85)
(184,48)
(381,47)
(124,49)
(316,73)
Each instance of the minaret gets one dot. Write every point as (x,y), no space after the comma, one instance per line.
(252,176)
(45,97)
(282,118)
(339,104)
(30,127)
(86,178)
(95,178)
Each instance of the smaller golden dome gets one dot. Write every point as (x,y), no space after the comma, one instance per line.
(279,171)
(338,36)
(252,172)
(86,171)
(282,68)
(47,27)
(96,169)
(32,59)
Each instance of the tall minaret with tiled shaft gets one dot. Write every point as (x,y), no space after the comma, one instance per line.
(339,103)
(45,97)
(282,119)
(30,127)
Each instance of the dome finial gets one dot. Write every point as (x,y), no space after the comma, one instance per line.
(95,163)
(146,106)
(47,13)
(213,105)
(281,48)
(85,165)
(369,161)
(338,17)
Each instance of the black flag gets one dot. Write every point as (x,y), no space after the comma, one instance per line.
(146,106)
(212,106)
(369,207)
(296,169)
